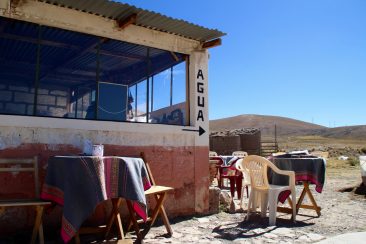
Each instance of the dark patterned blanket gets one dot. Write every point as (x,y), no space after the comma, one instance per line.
(79,184)
(306,169)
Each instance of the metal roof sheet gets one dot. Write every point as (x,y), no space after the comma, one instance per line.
(145,18)
(71,56)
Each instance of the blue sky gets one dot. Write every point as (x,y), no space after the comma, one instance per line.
(304,60)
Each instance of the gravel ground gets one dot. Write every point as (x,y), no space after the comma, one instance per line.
(342,212)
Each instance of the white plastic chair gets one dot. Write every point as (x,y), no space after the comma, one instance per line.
(246,178)
(240,154)
(257,167)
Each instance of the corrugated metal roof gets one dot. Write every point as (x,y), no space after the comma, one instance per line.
(71,56)
(145,18)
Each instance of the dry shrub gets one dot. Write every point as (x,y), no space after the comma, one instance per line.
(353,161)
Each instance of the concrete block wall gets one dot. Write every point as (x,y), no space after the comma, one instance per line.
(19,99)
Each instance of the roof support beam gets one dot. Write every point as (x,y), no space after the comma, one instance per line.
(80,53)
(212,43)
(122,55)
(174,56)
(127,21)
(35,41)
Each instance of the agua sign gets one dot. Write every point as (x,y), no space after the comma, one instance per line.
(200,97)
(200,102)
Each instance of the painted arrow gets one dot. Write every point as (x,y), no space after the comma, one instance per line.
(200,130)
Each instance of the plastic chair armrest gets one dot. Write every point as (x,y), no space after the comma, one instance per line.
(282,172)
(289,173)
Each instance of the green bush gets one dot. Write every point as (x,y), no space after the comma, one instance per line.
(353,161)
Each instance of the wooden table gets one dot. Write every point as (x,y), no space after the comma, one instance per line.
(307,171)
(80,183)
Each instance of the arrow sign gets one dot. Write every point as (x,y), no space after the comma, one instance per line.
(200,130)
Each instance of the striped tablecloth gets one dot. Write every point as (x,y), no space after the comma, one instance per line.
(80,183)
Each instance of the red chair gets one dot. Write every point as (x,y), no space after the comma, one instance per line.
(229,172)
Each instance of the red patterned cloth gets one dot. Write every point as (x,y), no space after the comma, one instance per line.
(79,184)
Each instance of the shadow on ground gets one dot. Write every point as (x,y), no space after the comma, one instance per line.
(245,228)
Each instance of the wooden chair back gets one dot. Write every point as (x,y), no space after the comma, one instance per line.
(151,177)
(158,193)
(15,165)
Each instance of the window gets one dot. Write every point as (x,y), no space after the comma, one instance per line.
(141,101)
(67,74)
(18,58)
(169,96)
(51,72)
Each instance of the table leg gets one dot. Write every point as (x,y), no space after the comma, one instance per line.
(115,218)
(220,179)
(133,220)
(301,198)
(239,182)
(77,238)
(40,234)
(37,225)
(305,191)
(232,186)
(314,205)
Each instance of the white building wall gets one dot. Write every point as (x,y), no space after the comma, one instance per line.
(69,19)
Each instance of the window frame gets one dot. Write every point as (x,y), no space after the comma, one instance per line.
(149,80)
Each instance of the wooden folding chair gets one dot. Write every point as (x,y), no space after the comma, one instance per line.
(159,194)
(31,166)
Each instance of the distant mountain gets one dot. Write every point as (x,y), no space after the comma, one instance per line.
(352,132)
(286,127)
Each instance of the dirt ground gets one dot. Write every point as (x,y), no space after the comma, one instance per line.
(342,212)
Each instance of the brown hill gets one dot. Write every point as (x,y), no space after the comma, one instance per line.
(349,132)
(266,123)
(286,127)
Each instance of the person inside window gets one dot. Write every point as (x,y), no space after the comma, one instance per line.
(90,111)
(129,106)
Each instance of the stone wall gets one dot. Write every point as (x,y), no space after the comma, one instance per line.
(226,142)
(19,99)
(225,145)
